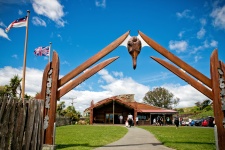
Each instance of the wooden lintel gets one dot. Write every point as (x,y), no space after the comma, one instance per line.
(69,86)
(176,60)
(93,59)
(198,86)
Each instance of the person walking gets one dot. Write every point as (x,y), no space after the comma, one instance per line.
(130,119)
(137,120)
(176,122)
(121,119)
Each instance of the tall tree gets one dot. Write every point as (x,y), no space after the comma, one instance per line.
(161,97)
(14,86)
(60,108)
(72,113)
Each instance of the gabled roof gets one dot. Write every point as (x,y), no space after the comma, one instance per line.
(128,100)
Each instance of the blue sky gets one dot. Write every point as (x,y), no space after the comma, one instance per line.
(79,29)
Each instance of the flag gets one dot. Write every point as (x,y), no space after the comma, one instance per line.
(21,22)
(42,51)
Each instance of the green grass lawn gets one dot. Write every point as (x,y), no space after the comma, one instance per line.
(86,137)
(184,138)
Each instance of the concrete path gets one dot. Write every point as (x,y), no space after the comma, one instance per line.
(136,139)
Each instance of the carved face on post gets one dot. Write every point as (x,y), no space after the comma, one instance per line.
(134,48)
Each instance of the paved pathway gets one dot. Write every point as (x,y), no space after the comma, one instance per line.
(136,139)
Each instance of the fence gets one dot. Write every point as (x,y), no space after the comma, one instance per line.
(21,124)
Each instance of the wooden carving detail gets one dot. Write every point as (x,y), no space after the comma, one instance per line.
(134,48)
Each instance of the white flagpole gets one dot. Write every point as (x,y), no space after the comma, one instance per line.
(50,47)
(24,56)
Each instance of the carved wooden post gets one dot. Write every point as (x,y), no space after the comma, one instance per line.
(217,75)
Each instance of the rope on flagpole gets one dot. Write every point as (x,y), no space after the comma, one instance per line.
(24,56)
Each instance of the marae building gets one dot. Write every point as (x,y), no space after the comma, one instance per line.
(107,111)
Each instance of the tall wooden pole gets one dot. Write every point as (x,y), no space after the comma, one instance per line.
(25,56)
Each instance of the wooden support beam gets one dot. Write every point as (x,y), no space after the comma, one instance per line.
(69,86)
(176,60)
(201,88)
(217,105)
(93,59)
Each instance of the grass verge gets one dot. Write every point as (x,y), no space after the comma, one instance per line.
(184,138)
(86,137)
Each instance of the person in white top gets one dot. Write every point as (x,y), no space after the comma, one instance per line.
(137,120)
(121,119)
(130,119)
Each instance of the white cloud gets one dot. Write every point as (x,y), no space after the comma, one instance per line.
(2,24)
(205,45)
(105,76)
(101,3)
(20,12)
(187,94)
(179,46)
(65,63)
(118,74)
(33,78)
(197,58)
(185,14)
(157,77)
(218,15)
(3,34)
(51,9)
(214,43)
(38,21)
(180,34)
(203,21)
(201,33)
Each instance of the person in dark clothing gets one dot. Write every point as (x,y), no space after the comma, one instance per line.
(176,122)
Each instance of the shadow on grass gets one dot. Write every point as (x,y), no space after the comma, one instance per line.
(61,146)
(200,143)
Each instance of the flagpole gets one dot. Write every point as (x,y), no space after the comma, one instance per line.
(50,47)
(24,56)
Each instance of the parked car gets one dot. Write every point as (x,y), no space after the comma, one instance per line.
(208,122)
(192,123)
(205,123)
(198,122)
(185,123)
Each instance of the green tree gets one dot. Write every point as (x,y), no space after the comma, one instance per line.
(60,108)
(161,97)
(72,114)
(205,103)
(2,91)
(14,86)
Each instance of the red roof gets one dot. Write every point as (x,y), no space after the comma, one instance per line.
(141,107)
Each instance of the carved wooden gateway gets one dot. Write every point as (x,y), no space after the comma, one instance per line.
(54,88)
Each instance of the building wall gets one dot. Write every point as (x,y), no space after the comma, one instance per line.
(99,114)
